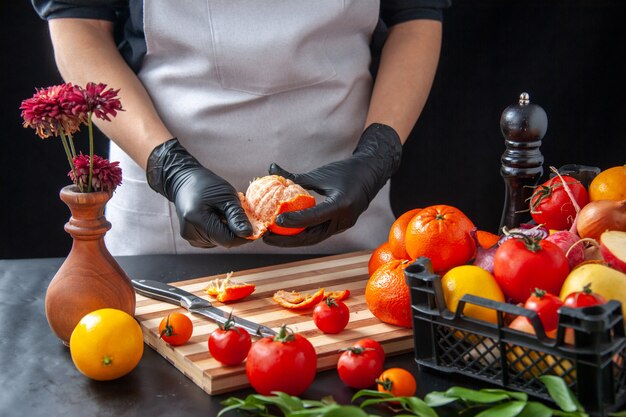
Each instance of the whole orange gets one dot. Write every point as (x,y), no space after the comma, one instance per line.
(381,255)
(397,233)
(387,295)
(441,233)
(609,184)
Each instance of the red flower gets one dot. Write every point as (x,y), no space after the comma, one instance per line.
(60,110)
(106,175)
(102,103)
(45,112)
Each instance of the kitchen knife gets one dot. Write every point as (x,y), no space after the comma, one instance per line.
(164,292)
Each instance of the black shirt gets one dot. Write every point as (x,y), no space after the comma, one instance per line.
(128,18)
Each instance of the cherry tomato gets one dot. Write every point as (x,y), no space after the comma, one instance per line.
(522,264)
(583,298)
(398,382)
(546,306)
(359,366)
(229,344)
(286,362)
(175,329)
(368,343)
(551,205)
(331,316)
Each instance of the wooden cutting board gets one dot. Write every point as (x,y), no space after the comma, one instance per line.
(337,272)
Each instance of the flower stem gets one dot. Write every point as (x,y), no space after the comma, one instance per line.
(69,158)
(90,124)
(70,140)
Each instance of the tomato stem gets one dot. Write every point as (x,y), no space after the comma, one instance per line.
(386,383)
(531,243)
(168,330)
(285,334)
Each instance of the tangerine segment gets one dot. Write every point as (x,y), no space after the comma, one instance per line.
(267,197)
(441,233)
(297,300)
(226,290)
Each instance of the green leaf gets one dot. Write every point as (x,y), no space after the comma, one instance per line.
(520,396)
(287,403)
(251,403)
(508,409)
(561,394)
(370,393)
(419,407)
(374,401)
(618,414)
(344,411)
(438,398)
(480,397)
(536,409)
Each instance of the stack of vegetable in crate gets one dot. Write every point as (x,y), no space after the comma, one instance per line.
(545,296)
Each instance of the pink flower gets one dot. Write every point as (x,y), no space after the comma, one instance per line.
(106,175)
(45,113)
(60,110)
(102,103)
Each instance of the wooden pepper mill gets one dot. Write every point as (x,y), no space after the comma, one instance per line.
(523,126)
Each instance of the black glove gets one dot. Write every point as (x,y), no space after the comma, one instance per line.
(208,208)
(348,185)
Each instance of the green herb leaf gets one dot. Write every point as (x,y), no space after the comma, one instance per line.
(536,409)
(520,396)
(508,409)
(286,402)
(438,398)
(471,395)
(374,401)
(419,407)
(618,414)
(561,394)
(370,393)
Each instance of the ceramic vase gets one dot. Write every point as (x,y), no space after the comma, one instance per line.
(90,278)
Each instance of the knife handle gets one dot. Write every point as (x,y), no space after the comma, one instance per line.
(168,293)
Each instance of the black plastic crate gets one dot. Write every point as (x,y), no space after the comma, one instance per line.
(594,367)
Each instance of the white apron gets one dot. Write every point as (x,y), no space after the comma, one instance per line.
(242,84)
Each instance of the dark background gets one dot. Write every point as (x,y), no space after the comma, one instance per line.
(568,55)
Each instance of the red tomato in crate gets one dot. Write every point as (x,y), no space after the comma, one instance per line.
(286,362)
(583,298)
(359,365)
(331,316)
(546,306)
(551,205)
(524,263)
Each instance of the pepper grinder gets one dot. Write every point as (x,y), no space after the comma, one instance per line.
(523,126)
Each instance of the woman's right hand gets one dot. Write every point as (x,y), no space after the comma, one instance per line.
(208,208)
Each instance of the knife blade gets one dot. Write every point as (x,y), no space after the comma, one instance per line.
(194,304)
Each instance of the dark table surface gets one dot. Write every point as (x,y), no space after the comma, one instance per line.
(38,377)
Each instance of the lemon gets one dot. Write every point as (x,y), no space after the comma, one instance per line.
(471,279)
